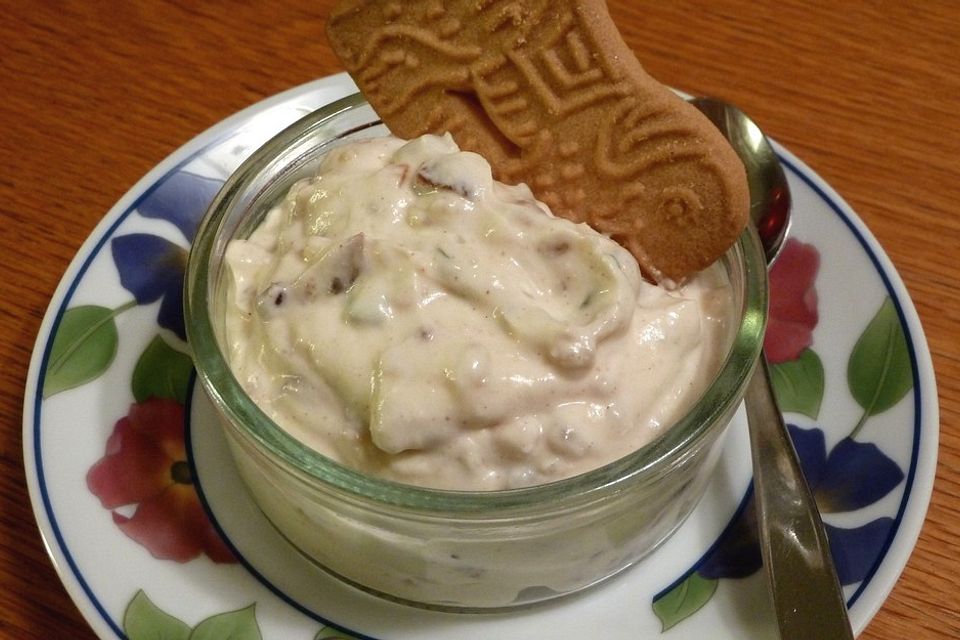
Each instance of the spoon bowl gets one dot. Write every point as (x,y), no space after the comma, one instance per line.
(769,192)
(807,597)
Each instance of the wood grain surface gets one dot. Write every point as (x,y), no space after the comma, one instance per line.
(94,94)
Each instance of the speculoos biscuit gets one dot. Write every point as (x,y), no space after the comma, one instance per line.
(550,94)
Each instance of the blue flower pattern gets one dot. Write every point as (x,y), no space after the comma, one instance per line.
(853,476)
(152,268)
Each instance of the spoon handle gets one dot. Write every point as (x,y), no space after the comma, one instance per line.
(806,593)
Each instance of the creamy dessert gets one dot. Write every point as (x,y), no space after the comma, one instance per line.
(403,313)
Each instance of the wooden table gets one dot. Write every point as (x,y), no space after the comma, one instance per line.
(93,94)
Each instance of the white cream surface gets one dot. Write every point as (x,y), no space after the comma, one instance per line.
(408,316)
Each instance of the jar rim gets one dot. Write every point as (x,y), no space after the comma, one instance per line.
(644,464)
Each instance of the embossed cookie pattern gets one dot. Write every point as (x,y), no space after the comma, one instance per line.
(551,95)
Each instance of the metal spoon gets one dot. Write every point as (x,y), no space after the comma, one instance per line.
(807,597)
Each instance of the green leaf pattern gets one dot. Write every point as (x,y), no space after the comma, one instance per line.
(143,620)
(799,384)
(162,372)
(233,625)
(83,348)
(879,373)
(685,599)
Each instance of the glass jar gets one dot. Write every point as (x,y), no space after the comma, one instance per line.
(456,550)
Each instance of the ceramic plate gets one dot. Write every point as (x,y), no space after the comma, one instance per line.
(152,532)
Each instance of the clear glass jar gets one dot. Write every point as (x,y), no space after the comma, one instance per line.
(451,549)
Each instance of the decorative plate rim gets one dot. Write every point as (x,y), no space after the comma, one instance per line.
(922,472)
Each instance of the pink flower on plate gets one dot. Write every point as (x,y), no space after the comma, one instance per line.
(145,464)
(793,302)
